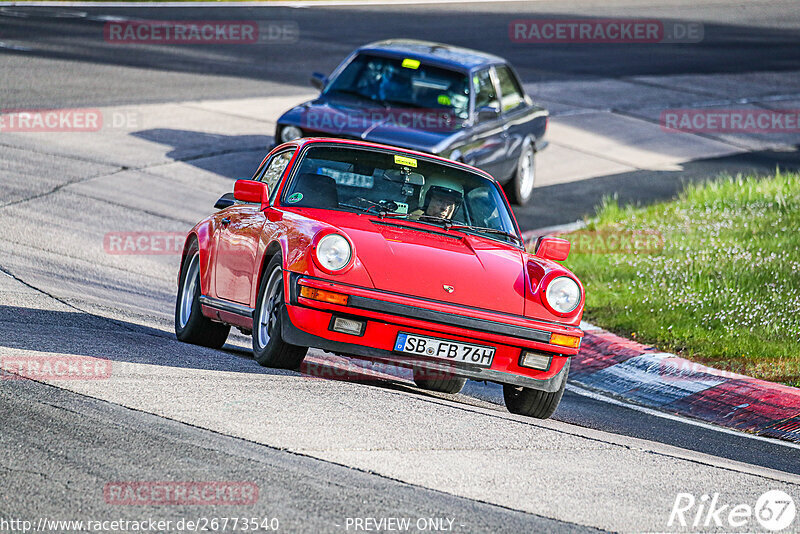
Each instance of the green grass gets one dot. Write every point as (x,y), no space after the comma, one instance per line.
(724,289)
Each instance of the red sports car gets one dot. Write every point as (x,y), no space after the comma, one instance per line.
(387,254)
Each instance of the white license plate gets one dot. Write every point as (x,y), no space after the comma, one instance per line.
(444,349)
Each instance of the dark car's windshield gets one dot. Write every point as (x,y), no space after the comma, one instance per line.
(398,186)
(404,82)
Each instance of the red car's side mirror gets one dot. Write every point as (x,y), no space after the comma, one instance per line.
(552,248)
(251,191)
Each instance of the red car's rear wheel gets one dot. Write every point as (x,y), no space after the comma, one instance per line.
(191,325)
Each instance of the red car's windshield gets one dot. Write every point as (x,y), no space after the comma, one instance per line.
(396,185)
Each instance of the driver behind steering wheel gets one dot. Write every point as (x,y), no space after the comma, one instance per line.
(440,199)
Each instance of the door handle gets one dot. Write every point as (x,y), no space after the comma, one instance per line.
(226,221)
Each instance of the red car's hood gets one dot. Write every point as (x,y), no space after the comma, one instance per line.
(424,260)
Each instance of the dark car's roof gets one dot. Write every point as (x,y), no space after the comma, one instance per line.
(436,53)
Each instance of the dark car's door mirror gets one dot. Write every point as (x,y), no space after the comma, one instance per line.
(319,80)
(552,248)
(251,191)
(225,201)
(487,113)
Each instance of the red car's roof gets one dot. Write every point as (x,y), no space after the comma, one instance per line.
(366,144)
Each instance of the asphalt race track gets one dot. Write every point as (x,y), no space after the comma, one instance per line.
(322,453)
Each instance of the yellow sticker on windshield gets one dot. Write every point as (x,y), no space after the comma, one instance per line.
(443,100)
(402,160)
(409,63)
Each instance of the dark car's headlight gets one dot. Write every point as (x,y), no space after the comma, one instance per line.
(563,294)
(333,252)
(290,133)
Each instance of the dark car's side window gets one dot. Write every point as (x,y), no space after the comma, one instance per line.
(273,171)
(482,86)
(511,93)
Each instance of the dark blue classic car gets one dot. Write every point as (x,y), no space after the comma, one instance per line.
(454,102)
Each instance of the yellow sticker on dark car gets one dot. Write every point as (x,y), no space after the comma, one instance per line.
(402,160)
(409,63)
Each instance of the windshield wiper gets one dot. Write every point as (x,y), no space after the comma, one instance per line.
(433,218)
(488,231)
(361,96)
(389,101)
(375,209)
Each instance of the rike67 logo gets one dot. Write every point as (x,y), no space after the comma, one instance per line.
(774,511)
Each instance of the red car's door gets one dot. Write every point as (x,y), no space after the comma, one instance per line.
(235,268)
(236,252)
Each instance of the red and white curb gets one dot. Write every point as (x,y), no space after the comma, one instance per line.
(639,374)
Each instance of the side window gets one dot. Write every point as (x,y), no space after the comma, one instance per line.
(273,172)
(511,93)
(484,91)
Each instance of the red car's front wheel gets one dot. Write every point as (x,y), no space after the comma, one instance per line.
(269,348)
(532,402)
(440,381)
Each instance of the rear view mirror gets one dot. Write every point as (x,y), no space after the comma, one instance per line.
(251,191)
(404,177)
(319,80)
(552,248)
(225,201)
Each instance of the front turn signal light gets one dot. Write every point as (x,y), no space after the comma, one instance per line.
(562,340)
(322,295)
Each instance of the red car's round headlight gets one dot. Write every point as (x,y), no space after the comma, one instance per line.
(333,252)
(563,294)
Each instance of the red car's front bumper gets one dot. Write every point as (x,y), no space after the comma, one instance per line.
(309,323)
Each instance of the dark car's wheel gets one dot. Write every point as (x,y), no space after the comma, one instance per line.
(532,402)
(191,325)
(440,381)
(520,189)
(269,348)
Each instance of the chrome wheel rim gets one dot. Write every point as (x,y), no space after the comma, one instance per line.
(268,314)
(189,287)
(526,176)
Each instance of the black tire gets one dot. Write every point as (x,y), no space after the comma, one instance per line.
(439,381)
(191,326)
(269,348)
(519,189)
(532,402)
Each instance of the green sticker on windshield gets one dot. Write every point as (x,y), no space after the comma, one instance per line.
(443,100)
(296,197)
(409,63)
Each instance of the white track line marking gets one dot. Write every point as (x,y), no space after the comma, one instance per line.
(655,413)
